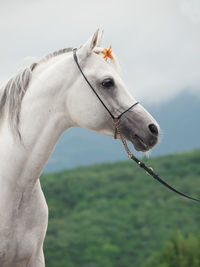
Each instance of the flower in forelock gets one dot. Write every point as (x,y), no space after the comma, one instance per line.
(107,53)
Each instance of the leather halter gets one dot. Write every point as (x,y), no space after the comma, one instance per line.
(116,121)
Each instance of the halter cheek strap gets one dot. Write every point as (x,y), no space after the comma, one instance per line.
(116,122)
(112,116)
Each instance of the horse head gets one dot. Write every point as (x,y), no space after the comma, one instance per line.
(99,95)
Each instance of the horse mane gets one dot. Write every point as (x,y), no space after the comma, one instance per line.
(51,55)
(11,97)
(13,91)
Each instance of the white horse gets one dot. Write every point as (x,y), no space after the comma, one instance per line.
(36,107)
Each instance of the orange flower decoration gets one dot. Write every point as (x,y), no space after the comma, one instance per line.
(107,53)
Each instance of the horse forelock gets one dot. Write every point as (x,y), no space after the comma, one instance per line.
(114,61)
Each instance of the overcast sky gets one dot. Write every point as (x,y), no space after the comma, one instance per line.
(157,41)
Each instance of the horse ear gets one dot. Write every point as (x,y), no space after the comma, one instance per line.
(94,40)
(99,40)
(90,44)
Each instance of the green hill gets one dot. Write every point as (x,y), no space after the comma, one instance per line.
(114,215)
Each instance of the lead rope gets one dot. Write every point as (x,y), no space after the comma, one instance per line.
(148,170)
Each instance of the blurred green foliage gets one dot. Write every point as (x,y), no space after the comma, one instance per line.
(180,251)
(115,215)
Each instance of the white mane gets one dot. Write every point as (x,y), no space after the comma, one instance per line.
(12,93)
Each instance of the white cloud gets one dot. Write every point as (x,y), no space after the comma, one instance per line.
(157,41)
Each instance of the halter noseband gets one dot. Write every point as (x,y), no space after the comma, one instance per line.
(116,122)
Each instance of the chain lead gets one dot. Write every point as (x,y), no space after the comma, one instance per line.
(116,123)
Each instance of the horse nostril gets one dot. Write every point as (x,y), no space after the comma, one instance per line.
(153,128)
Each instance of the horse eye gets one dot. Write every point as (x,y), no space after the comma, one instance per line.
(107,83)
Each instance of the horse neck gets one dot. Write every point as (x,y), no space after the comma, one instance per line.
(43,118)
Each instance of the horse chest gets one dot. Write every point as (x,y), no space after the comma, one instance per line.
(17,249)
(22,238)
